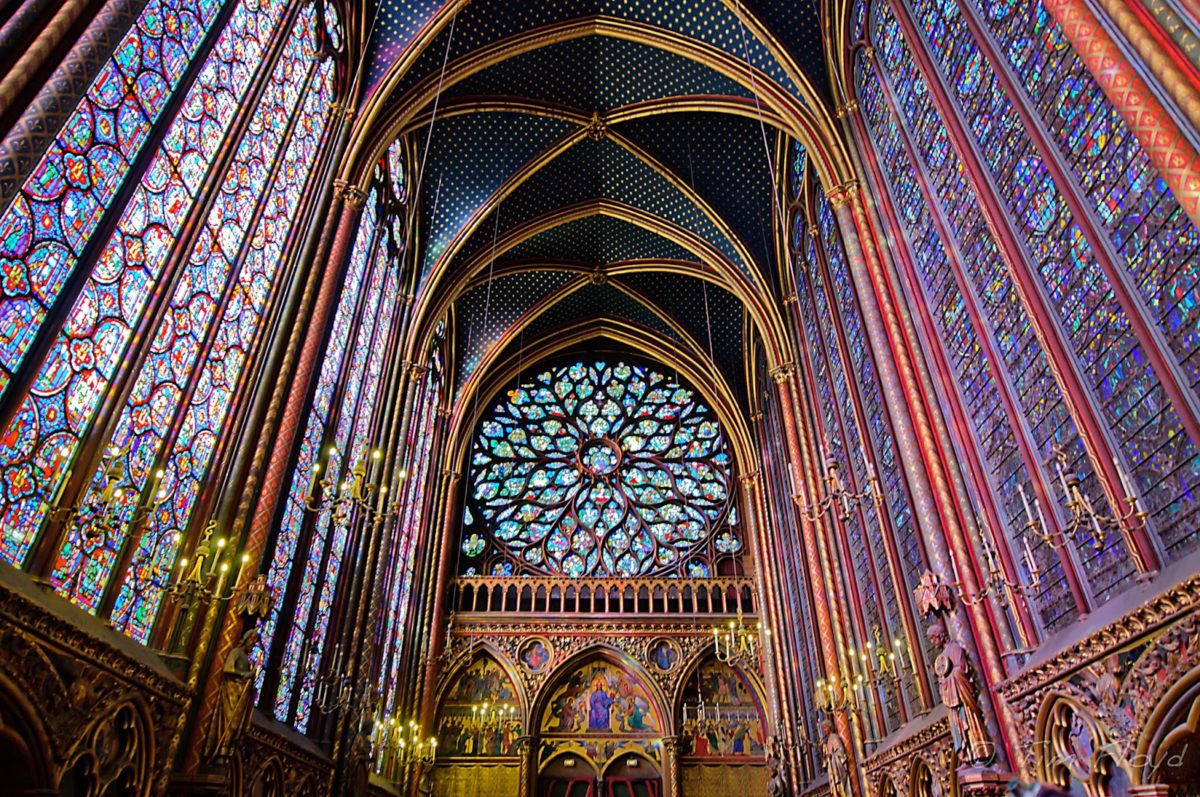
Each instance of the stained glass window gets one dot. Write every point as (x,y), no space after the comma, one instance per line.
(599,469)
(906,127)
(212,303)
(1149,230)
(44,231)
(854,421)
(347,448)
(38,448)
(309,458)
(976,374)
(1127,392)
(416,485)
(168,433)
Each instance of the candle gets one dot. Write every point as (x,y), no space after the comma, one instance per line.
(241,567)
(1041,518)
(1062,479)
(987,552)
(1128,486)
(1025,502)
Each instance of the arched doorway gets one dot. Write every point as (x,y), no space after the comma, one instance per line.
(629,775)
(632,776)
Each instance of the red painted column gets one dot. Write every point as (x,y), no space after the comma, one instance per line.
(784,377)
(272,484)
(1168,148)
(1170,67)
(941,516)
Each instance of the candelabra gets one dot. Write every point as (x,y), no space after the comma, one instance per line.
(1084,518)
(995,582)
(876,666)
(205,578)
(102,513)
(837,694)
(487,718)
(738,644)
(326,494)
(332,691)
(839,498)
(396,745)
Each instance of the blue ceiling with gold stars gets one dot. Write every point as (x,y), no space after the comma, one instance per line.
(595,156)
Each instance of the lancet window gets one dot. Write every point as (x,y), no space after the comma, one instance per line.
(147,280)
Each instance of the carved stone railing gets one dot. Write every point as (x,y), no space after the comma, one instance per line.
(603,596)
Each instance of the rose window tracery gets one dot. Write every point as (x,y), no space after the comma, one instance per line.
(599,469)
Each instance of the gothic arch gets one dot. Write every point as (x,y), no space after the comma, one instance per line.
(1162,755)
(25,752)
(1072,747)
(600,653)
(116,753)
(706,379)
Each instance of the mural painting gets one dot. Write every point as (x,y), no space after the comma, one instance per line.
(481,715)
(600,699)
(722,717)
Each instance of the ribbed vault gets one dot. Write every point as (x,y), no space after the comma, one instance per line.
(600,161)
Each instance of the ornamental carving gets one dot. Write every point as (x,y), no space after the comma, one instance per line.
(104,713)
(1116,677)
(930,747)
(508,641)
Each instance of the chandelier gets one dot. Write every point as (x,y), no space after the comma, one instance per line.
(738,645)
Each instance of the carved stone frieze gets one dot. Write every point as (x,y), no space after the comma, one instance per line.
(1118,675)
(305,771)
(76,679)
(932,744)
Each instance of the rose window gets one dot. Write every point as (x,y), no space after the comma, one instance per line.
(599,470)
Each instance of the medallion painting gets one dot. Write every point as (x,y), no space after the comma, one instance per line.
(481,713)
(722,716)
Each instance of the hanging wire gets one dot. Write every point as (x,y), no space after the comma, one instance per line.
(762,125)
(437,99)
(703,282)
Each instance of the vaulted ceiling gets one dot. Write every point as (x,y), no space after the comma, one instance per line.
(598,160)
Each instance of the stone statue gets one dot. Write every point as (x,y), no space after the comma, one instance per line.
(959,695)
(837,762)
(232,716)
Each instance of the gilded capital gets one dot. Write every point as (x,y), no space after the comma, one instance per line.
(840,195)
(349,193)
(781,373)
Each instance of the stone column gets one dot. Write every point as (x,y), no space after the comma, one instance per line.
(1155,57)
(671,774)
(785,377)
(525,748)
(1168,148)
